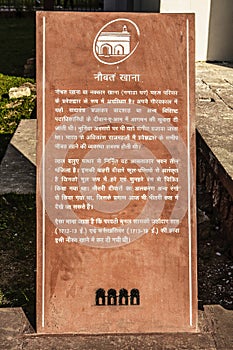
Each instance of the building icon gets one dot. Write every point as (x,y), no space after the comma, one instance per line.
(113,43)
(111,298)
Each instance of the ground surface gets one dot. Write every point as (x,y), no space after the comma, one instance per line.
(17,252)
(215,273)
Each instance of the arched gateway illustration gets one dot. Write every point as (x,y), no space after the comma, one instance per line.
(113,43)
(112,298)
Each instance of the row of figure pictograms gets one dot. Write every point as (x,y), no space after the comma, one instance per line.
(112,298)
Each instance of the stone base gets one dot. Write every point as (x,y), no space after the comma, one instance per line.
(215,325)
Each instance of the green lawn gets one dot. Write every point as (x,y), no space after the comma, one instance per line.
(12,111)
(17,44)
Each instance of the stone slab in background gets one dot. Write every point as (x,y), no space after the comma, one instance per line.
(18,92)
(214,110)
(13,324)
(17,169)
(24,139)
(220,321)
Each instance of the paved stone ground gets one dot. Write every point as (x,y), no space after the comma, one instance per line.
(214,110)
(214,116)
(215,333)
(17,169)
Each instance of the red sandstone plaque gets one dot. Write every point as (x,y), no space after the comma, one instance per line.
(116,173)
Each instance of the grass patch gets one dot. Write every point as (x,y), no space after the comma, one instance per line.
(17,44)
(18,256)
(12,111)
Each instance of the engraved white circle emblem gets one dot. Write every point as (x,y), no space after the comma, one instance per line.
(116,41)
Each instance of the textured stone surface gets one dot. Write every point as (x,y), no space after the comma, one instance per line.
(214,91)
(17,169)
(215,333)
(13,324)
(17,173)
(83,288)
(215,190)
(24,139)
(221,323)
(133,342)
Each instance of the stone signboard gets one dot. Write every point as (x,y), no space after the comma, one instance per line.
(116,250)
